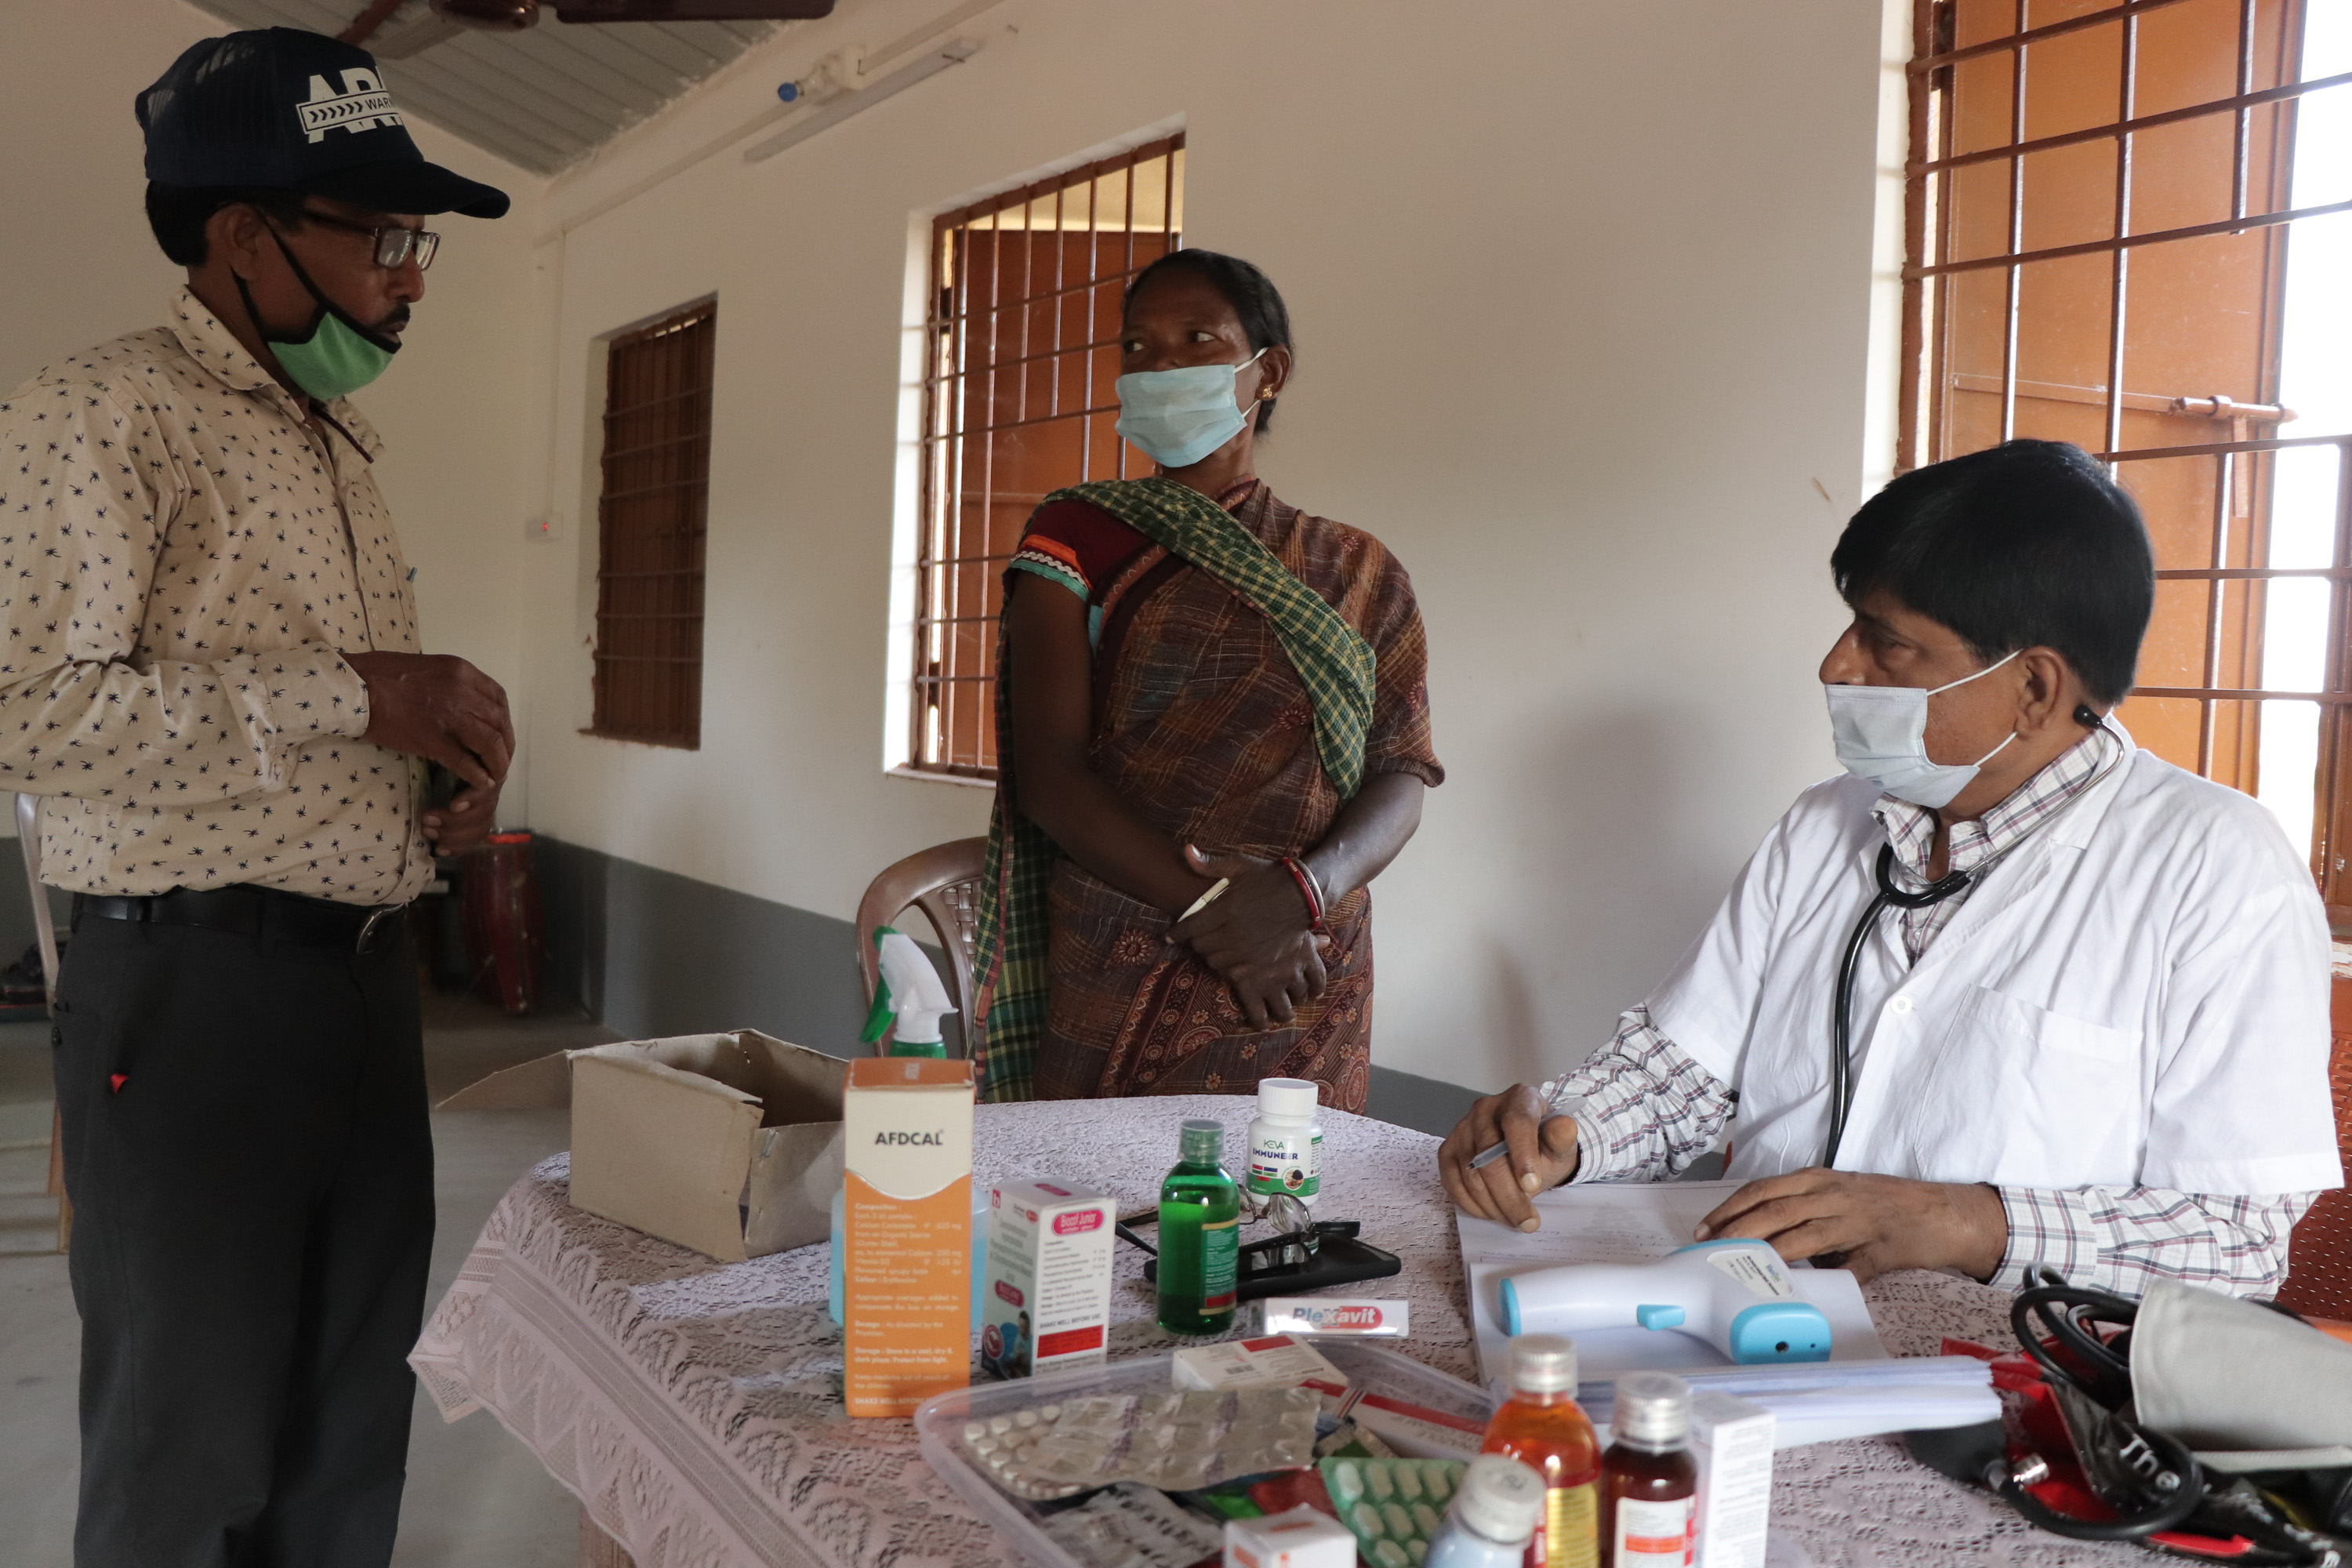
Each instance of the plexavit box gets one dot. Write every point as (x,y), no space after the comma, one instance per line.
(906,1231)
(1049,1300)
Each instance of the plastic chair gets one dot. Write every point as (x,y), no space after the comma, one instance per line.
(942,881)
(44,930)
(2319,1260)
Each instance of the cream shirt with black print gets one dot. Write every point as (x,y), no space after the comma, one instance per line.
(183,559)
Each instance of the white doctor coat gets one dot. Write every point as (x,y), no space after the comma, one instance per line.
(2137,995)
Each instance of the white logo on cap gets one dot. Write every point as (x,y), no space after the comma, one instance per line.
(362,105)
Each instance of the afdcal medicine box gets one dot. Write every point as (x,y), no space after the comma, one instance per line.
(1048,1301)
(906,1232)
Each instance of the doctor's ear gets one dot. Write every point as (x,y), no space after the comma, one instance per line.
(2049,681)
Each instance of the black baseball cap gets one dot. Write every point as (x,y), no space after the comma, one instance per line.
(281,109)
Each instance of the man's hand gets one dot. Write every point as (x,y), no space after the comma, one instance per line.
(1256,937)
(1543,1154)
(1878,1223)
(460,826)
(441,708)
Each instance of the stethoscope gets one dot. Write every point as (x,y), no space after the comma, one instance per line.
(1842,1021)
(1950,885)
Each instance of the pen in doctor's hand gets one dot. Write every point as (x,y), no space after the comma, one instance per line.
(1485,1157)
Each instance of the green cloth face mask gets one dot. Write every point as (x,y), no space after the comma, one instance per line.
(336,356)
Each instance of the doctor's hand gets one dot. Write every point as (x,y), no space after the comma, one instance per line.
(1256,937)
(1542,1155)
(1878,1223)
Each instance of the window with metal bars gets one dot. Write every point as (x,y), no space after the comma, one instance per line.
(2127,228)
(650,526)
(1022,350)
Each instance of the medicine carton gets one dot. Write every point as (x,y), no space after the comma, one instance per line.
(1303,1538)
(1334,1318)
(1276,1361)
(906,1232)
(1732,1442)
(1047,1302)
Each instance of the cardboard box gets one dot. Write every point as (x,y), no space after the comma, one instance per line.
(906,1232)
(727,1143)
(1047,1301)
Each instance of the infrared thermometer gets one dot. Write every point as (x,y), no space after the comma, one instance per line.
(1735,1294)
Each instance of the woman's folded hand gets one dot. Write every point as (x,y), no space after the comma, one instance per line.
(1255,936)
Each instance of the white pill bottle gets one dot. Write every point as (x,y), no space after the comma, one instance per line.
(1286,1142)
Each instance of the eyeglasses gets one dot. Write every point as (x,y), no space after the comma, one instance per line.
(394,246)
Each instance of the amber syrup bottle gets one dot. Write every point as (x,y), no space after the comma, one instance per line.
(1649,1482)
(1541,1424)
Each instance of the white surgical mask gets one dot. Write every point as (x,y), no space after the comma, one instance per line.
(1881,738)
(1181,415)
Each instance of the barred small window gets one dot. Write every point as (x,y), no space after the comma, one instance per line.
(1022,352)
(651,520)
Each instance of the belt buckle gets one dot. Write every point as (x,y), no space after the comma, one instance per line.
(374,922)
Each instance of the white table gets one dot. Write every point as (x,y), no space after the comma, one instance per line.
(695,1407)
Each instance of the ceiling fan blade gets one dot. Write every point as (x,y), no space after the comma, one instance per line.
(691,10)
(410,38)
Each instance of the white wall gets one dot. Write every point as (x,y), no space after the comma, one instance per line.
(78,265)
(1582,293)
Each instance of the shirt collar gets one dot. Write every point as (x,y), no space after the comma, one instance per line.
(1911,830)
(215,349)
(219,354)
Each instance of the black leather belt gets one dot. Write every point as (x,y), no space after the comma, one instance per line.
(258,911)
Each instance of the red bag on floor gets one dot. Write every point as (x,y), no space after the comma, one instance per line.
(502,928)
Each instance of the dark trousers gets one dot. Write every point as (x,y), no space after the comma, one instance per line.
(251,1172)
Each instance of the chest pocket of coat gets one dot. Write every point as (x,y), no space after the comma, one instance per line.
(2036,1097)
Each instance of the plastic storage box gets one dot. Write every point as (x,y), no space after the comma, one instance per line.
(939,1423)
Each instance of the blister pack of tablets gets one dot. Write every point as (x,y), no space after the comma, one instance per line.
(1131,1526)
(1393,1506)
(1175,1442)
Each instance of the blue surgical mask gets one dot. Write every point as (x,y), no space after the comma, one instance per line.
(1881,738)
(1180,416)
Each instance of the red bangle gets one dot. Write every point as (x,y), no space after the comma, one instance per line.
(1308,891)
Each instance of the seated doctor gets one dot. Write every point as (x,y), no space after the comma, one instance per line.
(2088,1008)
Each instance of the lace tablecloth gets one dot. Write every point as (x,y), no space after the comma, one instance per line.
(695,1407)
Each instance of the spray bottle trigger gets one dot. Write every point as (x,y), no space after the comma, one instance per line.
(1657,1315)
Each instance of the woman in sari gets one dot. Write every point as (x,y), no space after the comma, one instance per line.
(1201,689)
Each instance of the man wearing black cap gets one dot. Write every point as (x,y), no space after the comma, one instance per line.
(209,667)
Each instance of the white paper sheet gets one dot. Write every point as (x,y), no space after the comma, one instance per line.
(1631,1222)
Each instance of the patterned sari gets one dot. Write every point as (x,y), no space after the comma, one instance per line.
(1252,669)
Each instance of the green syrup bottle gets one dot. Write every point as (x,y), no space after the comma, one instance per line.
(1200,1235)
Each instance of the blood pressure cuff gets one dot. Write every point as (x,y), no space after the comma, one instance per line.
(2246,1388)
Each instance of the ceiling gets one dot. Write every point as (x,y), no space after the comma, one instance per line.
(543,98)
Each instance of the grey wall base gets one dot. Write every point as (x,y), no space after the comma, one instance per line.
(650,953)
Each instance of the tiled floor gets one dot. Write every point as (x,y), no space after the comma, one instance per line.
(476,1499)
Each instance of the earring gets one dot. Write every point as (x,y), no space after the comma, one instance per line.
(1266,394)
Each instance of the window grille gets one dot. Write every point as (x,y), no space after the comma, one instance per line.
(1022,350)
(650,528)
(2115,238)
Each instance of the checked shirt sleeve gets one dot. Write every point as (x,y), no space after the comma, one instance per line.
(1643,1109)
(89,487)
(2119,1238)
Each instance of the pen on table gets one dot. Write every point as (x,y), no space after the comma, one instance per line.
(1205,899)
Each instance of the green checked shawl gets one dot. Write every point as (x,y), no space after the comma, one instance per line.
(1336,664)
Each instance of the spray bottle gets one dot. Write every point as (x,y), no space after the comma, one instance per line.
(910,991)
